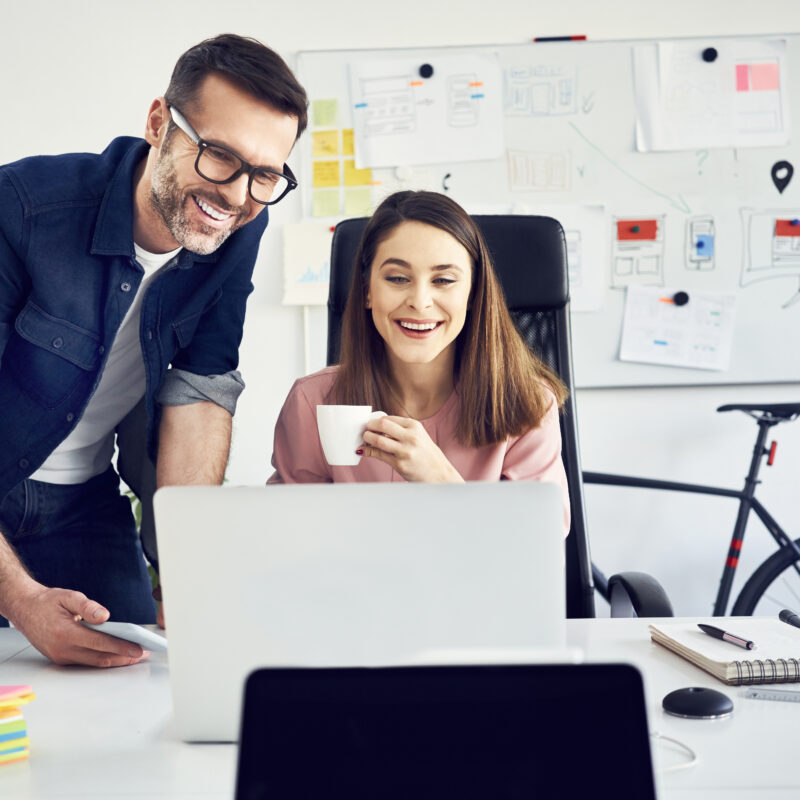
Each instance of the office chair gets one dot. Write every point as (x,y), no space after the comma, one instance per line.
(530,258)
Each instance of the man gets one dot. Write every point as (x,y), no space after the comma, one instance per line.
(114,267)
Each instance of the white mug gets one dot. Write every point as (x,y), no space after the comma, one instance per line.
(341,432)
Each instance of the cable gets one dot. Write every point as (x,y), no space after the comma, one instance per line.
(691,753)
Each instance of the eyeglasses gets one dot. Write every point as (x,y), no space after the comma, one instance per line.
(219,164)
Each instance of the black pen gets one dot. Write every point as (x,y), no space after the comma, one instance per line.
(789,617)
(718,633)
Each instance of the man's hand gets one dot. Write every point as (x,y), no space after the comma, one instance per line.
(49,619)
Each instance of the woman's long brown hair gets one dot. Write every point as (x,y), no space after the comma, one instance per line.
(500,382)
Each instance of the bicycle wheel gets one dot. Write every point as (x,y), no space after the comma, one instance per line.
(773,586)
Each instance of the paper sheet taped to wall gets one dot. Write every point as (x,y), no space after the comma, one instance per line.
(447,109)
(662,327)
(306,263)
(703,94)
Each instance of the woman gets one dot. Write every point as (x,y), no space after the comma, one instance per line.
(427,337)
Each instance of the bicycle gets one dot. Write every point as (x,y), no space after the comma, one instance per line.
(775,584)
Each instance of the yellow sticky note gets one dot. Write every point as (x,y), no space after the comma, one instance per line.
(358,202)
(326,174)
(356,177)
(324,144)
(325,203)
(324,112)
(348,142)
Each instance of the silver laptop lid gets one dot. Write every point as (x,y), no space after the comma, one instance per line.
(348,575)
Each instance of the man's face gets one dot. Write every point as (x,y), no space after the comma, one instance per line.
(200,215)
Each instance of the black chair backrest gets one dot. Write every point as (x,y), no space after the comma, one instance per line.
(530,257)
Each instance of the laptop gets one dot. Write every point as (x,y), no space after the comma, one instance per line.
(350,575)
(515,731)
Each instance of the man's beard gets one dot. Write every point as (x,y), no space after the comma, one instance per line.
(168,200)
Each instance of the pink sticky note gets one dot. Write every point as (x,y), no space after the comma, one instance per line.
(765,77)
(742,78)
(7,692)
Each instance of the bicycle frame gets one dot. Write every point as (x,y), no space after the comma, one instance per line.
(747,502)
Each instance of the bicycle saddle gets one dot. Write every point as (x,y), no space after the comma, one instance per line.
(781,411)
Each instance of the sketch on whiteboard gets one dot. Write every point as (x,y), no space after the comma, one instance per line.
(771,247)
(389,105)
(463,100)
(700,236)
(574,259)
(638,252)
(446,113)
(541,90)
(537,172)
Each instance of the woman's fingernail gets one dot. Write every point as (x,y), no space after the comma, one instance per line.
(360,451)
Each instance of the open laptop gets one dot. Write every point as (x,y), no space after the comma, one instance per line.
(523,731)
(342,575)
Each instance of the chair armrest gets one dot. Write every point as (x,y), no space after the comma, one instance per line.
(637,594)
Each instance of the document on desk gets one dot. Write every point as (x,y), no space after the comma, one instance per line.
(775,659)
(674,328)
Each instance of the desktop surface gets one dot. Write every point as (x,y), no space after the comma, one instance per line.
(110,734)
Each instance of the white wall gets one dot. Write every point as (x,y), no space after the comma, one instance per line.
(74,74)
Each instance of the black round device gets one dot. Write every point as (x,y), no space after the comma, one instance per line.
(696,702)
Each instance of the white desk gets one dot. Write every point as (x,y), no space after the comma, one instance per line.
(100,735)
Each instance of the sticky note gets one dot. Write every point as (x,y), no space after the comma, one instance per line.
(637,229)
(325,112)
(704,246)
(356,177)
(14,691)
(358,202)
(784,227)
(765,77)
(348,142)
(324,144)
(325,203)
(742,78)
(325,174)
(15,755)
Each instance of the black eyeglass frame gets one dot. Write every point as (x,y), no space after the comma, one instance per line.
(246,169)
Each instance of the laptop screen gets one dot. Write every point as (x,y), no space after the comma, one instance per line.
(516,731)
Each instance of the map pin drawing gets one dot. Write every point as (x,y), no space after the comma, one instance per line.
(782,172)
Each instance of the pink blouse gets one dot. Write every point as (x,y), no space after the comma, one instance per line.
(298,457)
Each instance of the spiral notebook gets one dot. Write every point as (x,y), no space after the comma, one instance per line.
(775,659)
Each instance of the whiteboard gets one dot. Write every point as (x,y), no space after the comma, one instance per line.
(574,146)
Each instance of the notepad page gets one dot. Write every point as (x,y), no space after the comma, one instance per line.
(773,639)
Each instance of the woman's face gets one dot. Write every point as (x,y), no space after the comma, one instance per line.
(419,290)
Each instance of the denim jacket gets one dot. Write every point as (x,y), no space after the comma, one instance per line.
(67,277)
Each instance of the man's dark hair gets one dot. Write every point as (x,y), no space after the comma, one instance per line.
(246,62)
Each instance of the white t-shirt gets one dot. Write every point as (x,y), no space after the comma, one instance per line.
(87,451)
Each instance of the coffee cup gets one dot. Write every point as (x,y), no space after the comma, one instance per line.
(341,432)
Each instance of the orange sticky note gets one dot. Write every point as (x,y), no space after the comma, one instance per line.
(646,229)
(787,227)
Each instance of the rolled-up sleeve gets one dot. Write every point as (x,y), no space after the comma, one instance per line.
(181,388)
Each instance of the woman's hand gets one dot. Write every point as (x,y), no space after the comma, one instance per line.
(404,445)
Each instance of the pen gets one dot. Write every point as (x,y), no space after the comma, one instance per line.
(718,633)
(789,617)
(559,38)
